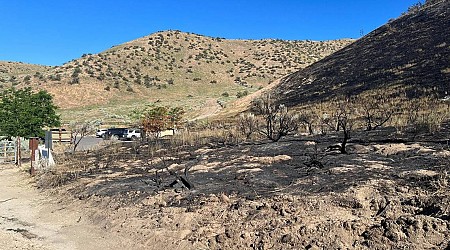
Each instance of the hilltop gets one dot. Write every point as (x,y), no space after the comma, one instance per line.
(14,73)
(409,56)
(172,67)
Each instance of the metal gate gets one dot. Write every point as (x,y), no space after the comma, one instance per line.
(7,151)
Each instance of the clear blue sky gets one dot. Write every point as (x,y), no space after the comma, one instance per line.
(51,32)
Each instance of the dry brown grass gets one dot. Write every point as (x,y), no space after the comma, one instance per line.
(425,114)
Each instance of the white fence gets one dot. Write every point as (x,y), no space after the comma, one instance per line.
(8,152)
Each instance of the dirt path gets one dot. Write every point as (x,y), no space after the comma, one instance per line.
(31,220)
(210,108)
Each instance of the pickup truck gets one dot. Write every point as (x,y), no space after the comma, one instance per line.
(115,133)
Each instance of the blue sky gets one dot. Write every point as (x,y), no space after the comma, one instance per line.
(51,32)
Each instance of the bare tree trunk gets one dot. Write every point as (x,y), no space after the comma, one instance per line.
(369,123)
(310,129)
(344,141)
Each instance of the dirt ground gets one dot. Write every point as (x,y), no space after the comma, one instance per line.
(389,192)
(32,220)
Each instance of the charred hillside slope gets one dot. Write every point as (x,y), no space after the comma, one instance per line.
(409,54)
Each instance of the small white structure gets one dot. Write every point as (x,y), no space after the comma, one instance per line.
(44,158)
(167,132)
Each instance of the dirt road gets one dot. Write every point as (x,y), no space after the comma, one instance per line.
(32,220)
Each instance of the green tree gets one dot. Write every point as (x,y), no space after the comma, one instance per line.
(24,113)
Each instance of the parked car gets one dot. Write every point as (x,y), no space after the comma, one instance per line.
(115,133)
(133,134)
(100,132)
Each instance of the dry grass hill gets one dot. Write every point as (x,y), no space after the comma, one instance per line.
(14,73)
(169,67)
(409,56)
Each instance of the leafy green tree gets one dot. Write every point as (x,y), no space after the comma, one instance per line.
(24,113)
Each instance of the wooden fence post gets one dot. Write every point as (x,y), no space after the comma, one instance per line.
(34,143)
